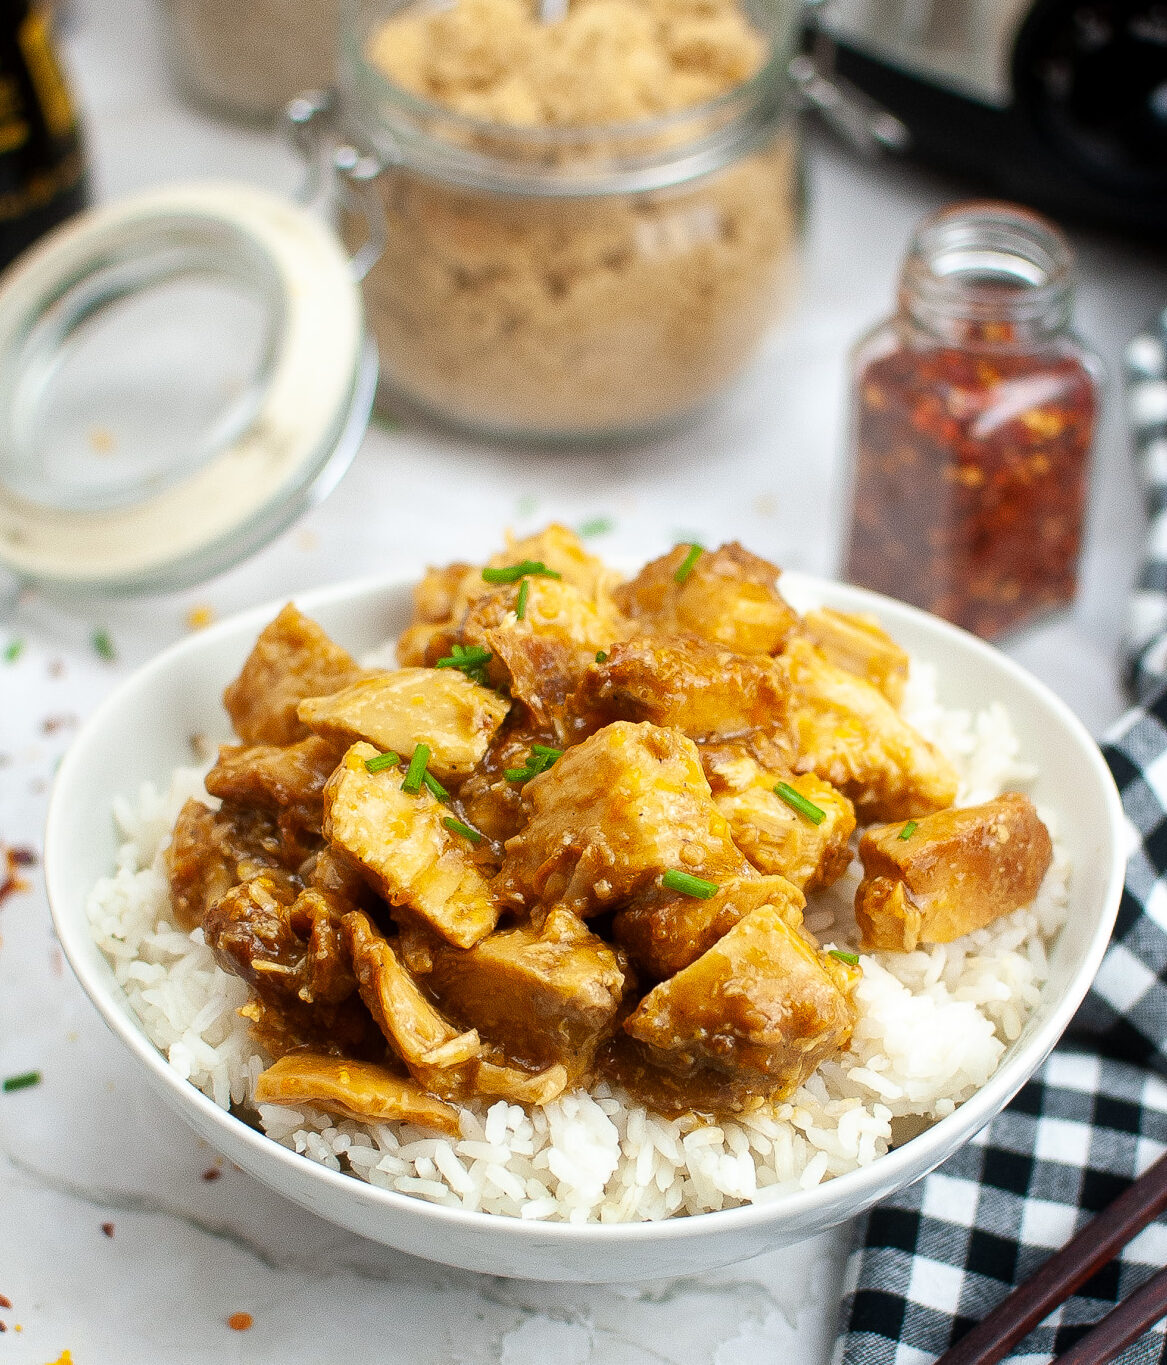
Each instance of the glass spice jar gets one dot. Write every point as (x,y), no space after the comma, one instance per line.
(972,414)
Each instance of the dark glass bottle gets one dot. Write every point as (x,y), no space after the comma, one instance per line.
(42,167)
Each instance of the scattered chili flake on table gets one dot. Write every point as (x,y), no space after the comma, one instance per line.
(240,1322)
(107,1228)
(5,1301)
(51,724)
(12,882)
(212,1173)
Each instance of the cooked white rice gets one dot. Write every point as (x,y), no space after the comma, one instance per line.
(932,1027)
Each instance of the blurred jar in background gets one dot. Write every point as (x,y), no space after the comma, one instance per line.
(590,225)
(972,415)
(247,58)
(42,169)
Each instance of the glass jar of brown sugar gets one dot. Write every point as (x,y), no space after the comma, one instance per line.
(589,225)
(972,414)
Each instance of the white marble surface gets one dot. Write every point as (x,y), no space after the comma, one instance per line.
(92,1146)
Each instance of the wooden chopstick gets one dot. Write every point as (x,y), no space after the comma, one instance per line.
(1086,1252)
(1121,1325)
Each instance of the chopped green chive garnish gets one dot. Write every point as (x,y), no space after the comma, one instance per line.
(851,959)
(21,1082)
(511,573)
(465,656)
(796,801)
(909,829)
(434,787)
(468,659)
(685,568)
(597,526)
(466,831)
(689,885)
(521,604)
(379,762)
(415,773)
(541,758)
(601,657)
(13,650)
(103,645)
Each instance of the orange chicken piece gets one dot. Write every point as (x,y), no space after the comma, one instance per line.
(955,871)
(729,596)
(849,735)
(611,816)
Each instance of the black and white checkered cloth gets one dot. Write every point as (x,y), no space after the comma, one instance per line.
(935,1259)
(1146,391)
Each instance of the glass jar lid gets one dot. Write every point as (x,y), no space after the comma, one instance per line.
(182,374)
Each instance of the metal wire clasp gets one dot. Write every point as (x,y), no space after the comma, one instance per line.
(336,169)
(852,114)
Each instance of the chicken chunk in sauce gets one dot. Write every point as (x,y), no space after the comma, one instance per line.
(287,780)
(541,656)
(728,596)
(405,850)
(438,1056)
(292,659)
(944,875)
(755,1014)
(706,692)
(851,736)
(363,1091)
(547,996)
(665,931)
(808,844)
(611,816)
(860,645)
(442,708)
(211,851)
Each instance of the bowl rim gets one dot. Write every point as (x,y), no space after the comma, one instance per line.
(851,1192)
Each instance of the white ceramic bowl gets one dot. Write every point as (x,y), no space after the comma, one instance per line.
(142,731)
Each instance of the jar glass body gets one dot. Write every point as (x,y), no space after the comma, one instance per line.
(574,284)
(970,433)
(248,60)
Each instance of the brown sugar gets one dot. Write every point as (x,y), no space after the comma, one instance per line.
(606,61)
(570,314)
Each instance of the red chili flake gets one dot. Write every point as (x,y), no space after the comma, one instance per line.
(52,724)
(107,1228)
(23,856)
(5,1302)
(11,882)
(970,480)
(240,1322)
(3,1327)
(212,1173)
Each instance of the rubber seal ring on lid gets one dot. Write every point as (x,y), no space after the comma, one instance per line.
(283,449)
